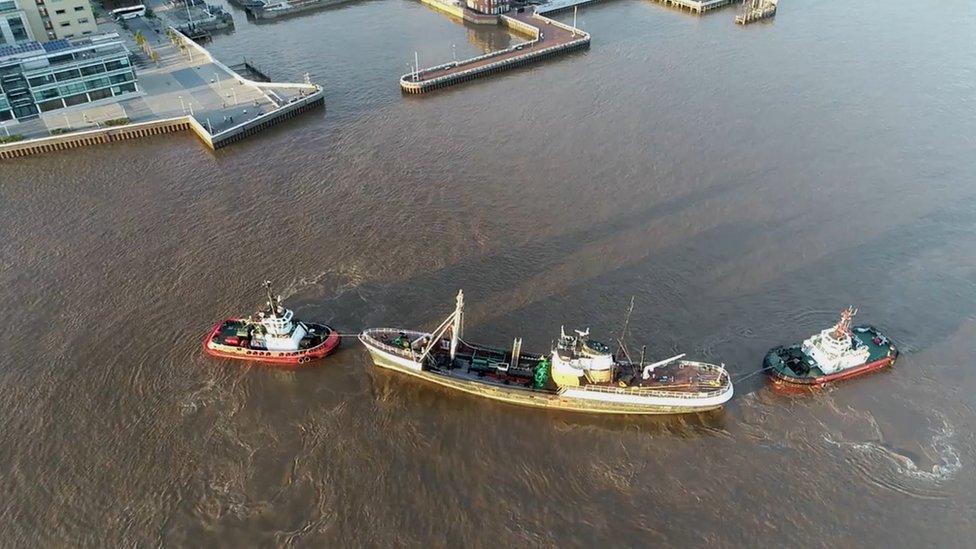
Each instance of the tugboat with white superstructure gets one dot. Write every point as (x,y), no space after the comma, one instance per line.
(836,353)
(273,335)
(580,374)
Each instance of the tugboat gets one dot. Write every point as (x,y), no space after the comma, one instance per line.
(272,335)
(579,374)
(837,353)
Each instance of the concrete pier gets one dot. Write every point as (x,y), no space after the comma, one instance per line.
(697,6)
(549,38)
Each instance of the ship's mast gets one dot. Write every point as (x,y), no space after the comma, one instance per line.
(458,323)
(623,331)
(271,299)
(843,326)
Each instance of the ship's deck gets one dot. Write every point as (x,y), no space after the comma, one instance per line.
(495,366)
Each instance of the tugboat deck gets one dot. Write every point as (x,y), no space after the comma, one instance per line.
(780,362)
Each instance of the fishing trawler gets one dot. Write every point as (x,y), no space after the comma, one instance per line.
(273,335)
(837,353)
(579,374)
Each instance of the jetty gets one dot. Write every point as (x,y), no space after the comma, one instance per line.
(697,6)
(755,10)
(261,10)
(549,38)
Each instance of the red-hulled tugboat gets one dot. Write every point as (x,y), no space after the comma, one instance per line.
(836,353)
(272,335)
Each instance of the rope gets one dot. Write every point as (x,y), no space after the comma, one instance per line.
(744,377)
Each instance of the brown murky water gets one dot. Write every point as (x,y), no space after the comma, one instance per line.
(744,184)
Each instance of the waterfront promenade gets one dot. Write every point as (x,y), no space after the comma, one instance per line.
(181,81)
(549,37)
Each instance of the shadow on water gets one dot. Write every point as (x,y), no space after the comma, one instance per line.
(534,258)
(739,346)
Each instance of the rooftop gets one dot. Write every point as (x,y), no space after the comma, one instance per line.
(106,42)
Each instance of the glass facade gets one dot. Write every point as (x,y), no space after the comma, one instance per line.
(86,72)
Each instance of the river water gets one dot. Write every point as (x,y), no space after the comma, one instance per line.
(743,184)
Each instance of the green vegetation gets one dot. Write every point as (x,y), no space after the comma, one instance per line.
(11,138)
(117,121)
(61,131)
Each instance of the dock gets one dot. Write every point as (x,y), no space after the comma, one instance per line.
(549,38)
(697,6)
(274,9)
(755,10)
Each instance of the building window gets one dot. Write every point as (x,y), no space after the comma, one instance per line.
(17,28)
(51,105)
(124,88)
(42,80)
(79,8)
(46,94)
(116,64)
(67,75)
(76,99)
(77,87)
(83,20)
(93,69)
(96,83)
(59,12)
(120,78)
(100,94)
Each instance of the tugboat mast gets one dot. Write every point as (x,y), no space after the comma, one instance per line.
(271,299)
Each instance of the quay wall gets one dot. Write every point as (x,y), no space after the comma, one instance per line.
(409,85)
(93,137)
(450,9)
(458,11)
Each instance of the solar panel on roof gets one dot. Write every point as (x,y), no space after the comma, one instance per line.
(56,45)
(15,49)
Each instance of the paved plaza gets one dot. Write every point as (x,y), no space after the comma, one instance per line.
(181,82)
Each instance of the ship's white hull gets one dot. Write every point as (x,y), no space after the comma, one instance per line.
(568,398)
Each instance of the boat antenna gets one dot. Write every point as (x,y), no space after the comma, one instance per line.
(271,299)
(623,331)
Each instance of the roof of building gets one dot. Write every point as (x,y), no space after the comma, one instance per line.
(17,49)
(58,45)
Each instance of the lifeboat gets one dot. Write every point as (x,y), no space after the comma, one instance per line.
(272,335)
